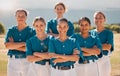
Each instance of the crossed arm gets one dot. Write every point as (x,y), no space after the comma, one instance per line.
(90,51)
(21,46)
(64,58)
(37,57)
(106,47)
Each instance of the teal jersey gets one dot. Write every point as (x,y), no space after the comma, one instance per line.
(19,36)
(52,24)
(63,48)
(106,37)
(88,42)
(36,45)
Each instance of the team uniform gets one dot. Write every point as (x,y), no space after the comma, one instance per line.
(17,63)
(64,48)
(52,24)
(106,37)
(87,67)
(39,68)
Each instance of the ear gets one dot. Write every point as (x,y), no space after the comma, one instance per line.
(105,20)
(68,27)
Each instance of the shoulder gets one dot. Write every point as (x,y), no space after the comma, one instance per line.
(30,29)
(72,39)
(70,23)
(13,28)
(52,20)
(31,39)
(93,33)
(108,31)
(74,35)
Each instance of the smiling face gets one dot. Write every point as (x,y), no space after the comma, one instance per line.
(59,9)
(39,25)
(84,26)
(62,27)
(99,19)
(21,17)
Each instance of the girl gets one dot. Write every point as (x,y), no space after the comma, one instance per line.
(15,41)
(37,50)
(51,29)
(106,38)
(90,46)
(61,50)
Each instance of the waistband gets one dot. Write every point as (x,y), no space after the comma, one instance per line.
(88,61)
(17,56)
(106,52)
(63,67)
(43,62)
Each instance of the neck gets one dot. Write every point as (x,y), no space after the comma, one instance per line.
(99,29)
(21,26)
(84,35)
(62,37)
(59,16)
(41,36)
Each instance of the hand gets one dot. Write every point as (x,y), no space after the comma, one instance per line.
(106,47)
(76,52)
(11,39)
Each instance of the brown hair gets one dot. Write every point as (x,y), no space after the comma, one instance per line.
(99,12)
(84,19)
(22,10)
(39,19)
(62,4)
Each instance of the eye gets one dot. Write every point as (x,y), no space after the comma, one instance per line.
(81,25)
(41,25)
(36,25)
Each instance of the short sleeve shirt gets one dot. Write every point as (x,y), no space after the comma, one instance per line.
(88,42)
(64,48)
(19,36)
(52,24)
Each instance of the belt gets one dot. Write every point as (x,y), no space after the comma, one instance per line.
(17,56)
(64,67)
(89,61)
(43,62)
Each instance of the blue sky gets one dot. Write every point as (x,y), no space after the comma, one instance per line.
(71,4)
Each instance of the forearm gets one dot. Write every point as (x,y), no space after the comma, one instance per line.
(21,49)
(33,58)
(72,57)
(42,55)
(14,45)
(92,51)
(53,55)
(86,54)
(106,46)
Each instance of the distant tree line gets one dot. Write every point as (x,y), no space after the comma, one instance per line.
(113,27)
(2,28)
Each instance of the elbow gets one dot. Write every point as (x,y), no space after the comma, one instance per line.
(6,46)
(29,59)
(98,52)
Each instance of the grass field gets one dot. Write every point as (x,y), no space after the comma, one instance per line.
(115,57)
